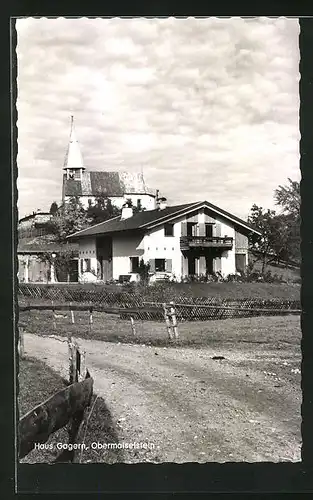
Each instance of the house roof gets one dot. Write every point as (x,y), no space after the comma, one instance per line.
(42,244)
(152,218)
(106,183)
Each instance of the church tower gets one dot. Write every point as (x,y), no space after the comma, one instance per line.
(73,164)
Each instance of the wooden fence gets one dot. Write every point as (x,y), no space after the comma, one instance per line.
(184,311)
(98,295)
(68,406)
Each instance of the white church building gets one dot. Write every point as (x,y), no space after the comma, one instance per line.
(88,185)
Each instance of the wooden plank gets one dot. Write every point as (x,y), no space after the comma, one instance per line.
(53,414)
(167,322)
(174,320)
(85,307)
(133,325)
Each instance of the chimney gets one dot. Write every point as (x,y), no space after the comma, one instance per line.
(162,203)
(157,201)
(127,211)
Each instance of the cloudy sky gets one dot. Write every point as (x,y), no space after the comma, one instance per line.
(207,108)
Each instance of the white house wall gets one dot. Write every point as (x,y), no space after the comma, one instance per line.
(87,250)
(158,246)
(124,247)
(228,263)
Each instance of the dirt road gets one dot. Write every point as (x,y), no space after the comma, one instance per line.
(191,407)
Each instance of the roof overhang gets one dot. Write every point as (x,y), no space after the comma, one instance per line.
(162,219)
(197,206)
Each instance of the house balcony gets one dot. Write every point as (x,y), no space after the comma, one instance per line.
(223,242)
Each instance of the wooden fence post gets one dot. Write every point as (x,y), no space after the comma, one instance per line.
(72,360)
(133,325)
(72,316)
(167,322)
(53,312)
(174,320)
(90,319)
(82,365)
(21,342)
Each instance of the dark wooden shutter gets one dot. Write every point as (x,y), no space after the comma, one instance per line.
(201,229)
(218,229)
(168,265)
(218,264)
(152,265)
(202,264)
(184,228)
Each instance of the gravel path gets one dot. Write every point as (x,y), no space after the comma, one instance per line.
(245,407)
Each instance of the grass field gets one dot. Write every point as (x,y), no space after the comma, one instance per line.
(37,382)
(111,328)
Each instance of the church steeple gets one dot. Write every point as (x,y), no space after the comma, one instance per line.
(73,163)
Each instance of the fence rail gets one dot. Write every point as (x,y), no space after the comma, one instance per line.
(155,310)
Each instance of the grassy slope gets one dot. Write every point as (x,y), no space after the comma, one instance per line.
(38,382)
(289,275)
(197,333)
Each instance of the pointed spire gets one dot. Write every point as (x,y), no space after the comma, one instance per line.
(73,158)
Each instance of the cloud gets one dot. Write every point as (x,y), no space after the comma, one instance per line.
(207,107)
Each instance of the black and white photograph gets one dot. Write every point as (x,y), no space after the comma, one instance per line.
(158,240)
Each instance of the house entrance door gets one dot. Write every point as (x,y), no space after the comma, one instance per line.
(191,265)
(209,264)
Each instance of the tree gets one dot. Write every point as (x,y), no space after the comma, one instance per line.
(102,210)
(136,208)
(288,197)
(273,244)
(71,217)
(143,271)
(54,208)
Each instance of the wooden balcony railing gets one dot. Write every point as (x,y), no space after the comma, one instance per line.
(187,242)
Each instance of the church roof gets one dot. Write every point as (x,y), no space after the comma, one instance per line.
(107,184)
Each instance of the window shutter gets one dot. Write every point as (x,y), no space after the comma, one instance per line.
(168,265)
(184,228)
(218,230)
(201,229)
(218,264)
(152,265)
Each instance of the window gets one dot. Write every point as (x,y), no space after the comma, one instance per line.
(208,230)
(168,229)
(77,175)
(134,264)
(160,265)
(87,265)
(139,204)
(191,229)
